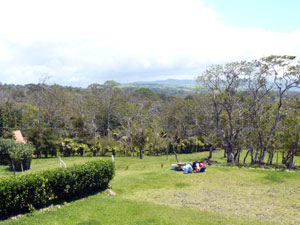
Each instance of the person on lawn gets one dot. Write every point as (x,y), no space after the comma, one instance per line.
(196,167)
(202,167)
(188,168)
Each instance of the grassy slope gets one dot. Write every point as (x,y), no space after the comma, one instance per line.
(148,193)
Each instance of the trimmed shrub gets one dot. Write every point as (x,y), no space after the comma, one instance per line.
(21,155)
(21,193)
(18,155)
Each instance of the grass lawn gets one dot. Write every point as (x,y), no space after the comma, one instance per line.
(46,163)
(148,192)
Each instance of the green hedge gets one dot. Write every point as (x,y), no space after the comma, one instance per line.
(21,193)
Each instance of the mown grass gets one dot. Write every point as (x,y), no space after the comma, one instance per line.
(148,192)
(46,163)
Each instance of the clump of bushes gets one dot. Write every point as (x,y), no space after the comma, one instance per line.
(21,155)
(189,145)
(5,144)
(95,147)
(44,140)
(108,145)
(22,193)
(69,147)
(18,155)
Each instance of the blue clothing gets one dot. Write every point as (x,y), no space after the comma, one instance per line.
(188,169)
(202,169)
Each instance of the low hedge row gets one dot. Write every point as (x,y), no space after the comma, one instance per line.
(35,190)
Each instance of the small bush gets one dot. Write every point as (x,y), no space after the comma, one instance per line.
(5,144)
(21,193)
(20,155)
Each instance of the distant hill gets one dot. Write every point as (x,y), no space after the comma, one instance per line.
(169,86)
(166,82)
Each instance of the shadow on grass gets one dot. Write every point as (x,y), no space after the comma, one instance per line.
(279,176)
(274,177)
(89,222)
(182,185)
(147,221)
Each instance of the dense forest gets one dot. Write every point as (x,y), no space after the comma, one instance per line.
(241,106)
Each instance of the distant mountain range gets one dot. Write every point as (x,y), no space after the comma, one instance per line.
(175,87)
(171,82)
(169,86)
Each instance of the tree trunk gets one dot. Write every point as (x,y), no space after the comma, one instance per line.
(176,156)
(141,153)
(283,159)
(269,158)
(210,152)
(262,158)
(13,166)
(237,155)
(246,156)
(256,155)
(232,159)
(291,161)
(230,156)
(271,161)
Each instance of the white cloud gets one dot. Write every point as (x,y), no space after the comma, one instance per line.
(80,42)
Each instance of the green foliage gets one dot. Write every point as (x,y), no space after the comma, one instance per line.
(20,155)
(5,144)
(96,147)
(44,140)
(66,147)
(108,145)
(81,148)
(9,118)
(69,147)
(25,192)
(145,93)
(189,145)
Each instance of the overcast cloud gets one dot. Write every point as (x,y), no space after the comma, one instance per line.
(83,42)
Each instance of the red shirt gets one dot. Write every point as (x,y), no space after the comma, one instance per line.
(202,165)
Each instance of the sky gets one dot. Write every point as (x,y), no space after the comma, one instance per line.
(80,42)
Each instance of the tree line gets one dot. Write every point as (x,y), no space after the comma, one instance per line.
(250,106)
